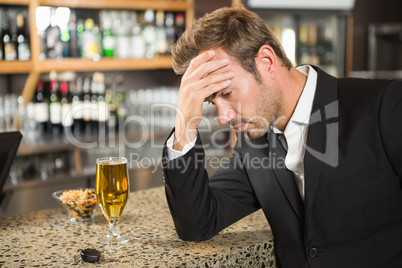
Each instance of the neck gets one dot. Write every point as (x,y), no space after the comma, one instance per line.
(290,84)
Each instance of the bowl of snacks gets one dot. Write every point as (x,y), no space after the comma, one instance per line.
(79,203)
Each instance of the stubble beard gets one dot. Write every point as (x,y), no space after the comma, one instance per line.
(268,108)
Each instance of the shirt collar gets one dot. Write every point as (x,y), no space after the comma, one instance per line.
(303,108)
(305,103)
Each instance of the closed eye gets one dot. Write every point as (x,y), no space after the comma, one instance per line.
(226,93)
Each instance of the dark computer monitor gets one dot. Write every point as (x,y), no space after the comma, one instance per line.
(9,143)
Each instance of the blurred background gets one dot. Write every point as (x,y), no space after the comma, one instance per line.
(87,79)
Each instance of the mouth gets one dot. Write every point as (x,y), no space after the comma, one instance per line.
(240,127)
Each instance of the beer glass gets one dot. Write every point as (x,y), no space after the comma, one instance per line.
(111,188)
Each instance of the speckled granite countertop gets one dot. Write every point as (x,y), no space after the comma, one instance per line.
(48,239)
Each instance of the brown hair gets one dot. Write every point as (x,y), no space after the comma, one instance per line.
(238,31)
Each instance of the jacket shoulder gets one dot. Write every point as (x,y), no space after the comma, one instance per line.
(361,84)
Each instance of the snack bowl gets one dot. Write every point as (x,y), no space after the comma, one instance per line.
(79,203)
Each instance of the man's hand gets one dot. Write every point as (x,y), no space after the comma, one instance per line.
(198,83)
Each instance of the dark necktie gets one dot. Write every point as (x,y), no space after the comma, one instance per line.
(284,176)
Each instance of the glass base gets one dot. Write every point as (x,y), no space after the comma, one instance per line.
(113,240)
(87,219)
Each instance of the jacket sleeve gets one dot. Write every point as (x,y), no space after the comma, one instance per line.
(200,205)
(391,124)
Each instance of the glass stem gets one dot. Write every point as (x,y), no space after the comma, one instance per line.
(113,232)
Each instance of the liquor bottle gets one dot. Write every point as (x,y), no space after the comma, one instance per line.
(103,113)
(303,34)
(66,111)
(313,34)
(120,102)
(123,38)
(80,37)
(1,47)
(149,34)
(108,38)
(170,32)
(161,38)
(74,46)
(55,106)
(23,51)
(91,40)
(94,104)
(9,47)
(41,108)
(42,26)
(77,106)
(111,107)
(137,41)
(3,115)
(64,40)
(86,106)
(179,25)
(54,48)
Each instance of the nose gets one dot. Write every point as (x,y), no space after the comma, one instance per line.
(225,114)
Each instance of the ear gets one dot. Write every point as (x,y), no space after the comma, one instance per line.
(267,60)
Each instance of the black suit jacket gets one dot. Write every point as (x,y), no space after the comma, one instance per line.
(352,212)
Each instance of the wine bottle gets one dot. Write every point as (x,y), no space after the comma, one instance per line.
(55,106)
(77,106)
(23,51)
(9,47)
(66,111)
(41,108)
(179,25)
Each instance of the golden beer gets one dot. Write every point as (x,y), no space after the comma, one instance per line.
(112,186)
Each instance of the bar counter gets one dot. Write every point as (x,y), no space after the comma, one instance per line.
(48,238)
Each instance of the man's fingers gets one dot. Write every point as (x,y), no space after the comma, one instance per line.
(217,87)
(214,83)
(200,59)
(200,68)
(212,66)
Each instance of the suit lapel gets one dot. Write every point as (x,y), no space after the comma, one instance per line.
(285,177)
(267,180)
(322,137)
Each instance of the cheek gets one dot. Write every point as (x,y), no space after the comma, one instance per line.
(247,106)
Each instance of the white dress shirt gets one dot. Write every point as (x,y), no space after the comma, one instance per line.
(295,134)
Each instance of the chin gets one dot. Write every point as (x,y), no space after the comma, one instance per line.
(253,134)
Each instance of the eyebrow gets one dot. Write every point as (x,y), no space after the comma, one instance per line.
(211,97)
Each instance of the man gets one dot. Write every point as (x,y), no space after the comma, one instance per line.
(332,192)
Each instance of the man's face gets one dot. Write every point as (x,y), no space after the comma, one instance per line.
(246,105)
